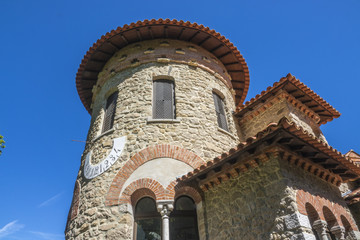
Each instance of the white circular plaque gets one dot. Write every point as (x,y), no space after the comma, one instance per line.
(92,171)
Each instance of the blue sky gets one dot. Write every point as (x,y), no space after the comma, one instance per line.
(42,44)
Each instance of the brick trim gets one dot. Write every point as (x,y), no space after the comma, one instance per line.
(140,193)
(346,223)
(145,155)
(330,218)
(190,192)
(147,187)
(141,188)
(319,204)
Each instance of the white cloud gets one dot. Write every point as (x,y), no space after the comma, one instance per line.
(10,228)
(48,236)
(47,202)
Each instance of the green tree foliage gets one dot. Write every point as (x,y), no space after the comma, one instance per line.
(2,143)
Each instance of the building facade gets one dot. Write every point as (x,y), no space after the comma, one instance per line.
(173,153)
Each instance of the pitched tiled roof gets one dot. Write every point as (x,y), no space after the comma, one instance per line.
(354,156)
(300,91)
(96,57)
(345,167)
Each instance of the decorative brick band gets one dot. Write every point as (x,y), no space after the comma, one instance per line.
(326,210)
(152,188)
(140,193)
(188,191)
(145,155)
(146,186)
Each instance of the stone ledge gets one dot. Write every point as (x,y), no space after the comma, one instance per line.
(161,120)
(103,134)
(226,132)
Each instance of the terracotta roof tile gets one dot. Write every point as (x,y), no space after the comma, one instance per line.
(354,156)
(209,40)
(287,83)
(290,127)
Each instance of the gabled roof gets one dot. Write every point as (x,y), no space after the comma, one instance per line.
(300,92)
(310,153)
(97,56)
(354,156)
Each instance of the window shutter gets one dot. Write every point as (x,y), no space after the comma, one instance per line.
(220,112)
(163,107)
(110,112)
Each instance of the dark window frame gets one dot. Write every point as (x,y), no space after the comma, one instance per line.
(110,110)
(220,112)
(185,213)
(146,215)
(164,106)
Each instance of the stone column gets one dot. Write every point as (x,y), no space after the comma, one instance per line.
(320,228)
(339,232)
(165,208)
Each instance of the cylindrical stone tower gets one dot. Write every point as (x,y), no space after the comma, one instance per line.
(161,94)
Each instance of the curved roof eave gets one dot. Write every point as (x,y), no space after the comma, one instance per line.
(104,48)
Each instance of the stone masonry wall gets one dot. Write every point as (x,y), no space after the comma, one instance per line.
(251,206)
(280,108)
(322,192)
(197,131)
(355,210)
(262,203)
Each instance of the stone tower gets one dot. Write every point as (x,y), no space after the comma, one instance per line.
(173,153)
(161,95)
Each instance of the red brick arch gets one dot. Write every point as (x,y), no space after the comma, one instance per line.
(319,204)
(145,155)
(143,187)
(346,223)
(330,217)
(141,193)
(188,191)
(152,188)
(312,214)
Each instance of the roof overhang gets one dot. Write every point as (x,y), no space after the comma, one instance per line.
(300,92)
(97,56)
(291,143)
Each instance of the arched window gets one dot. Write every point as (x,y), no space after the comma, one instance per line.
(147,220)
(313,216)
(183,220)
(331,222)
(347,226)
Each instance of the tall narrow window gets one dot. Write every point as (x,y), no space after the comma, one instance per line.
(183,220)
(147,220)
(220,112)
(110,112)
(164,100)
